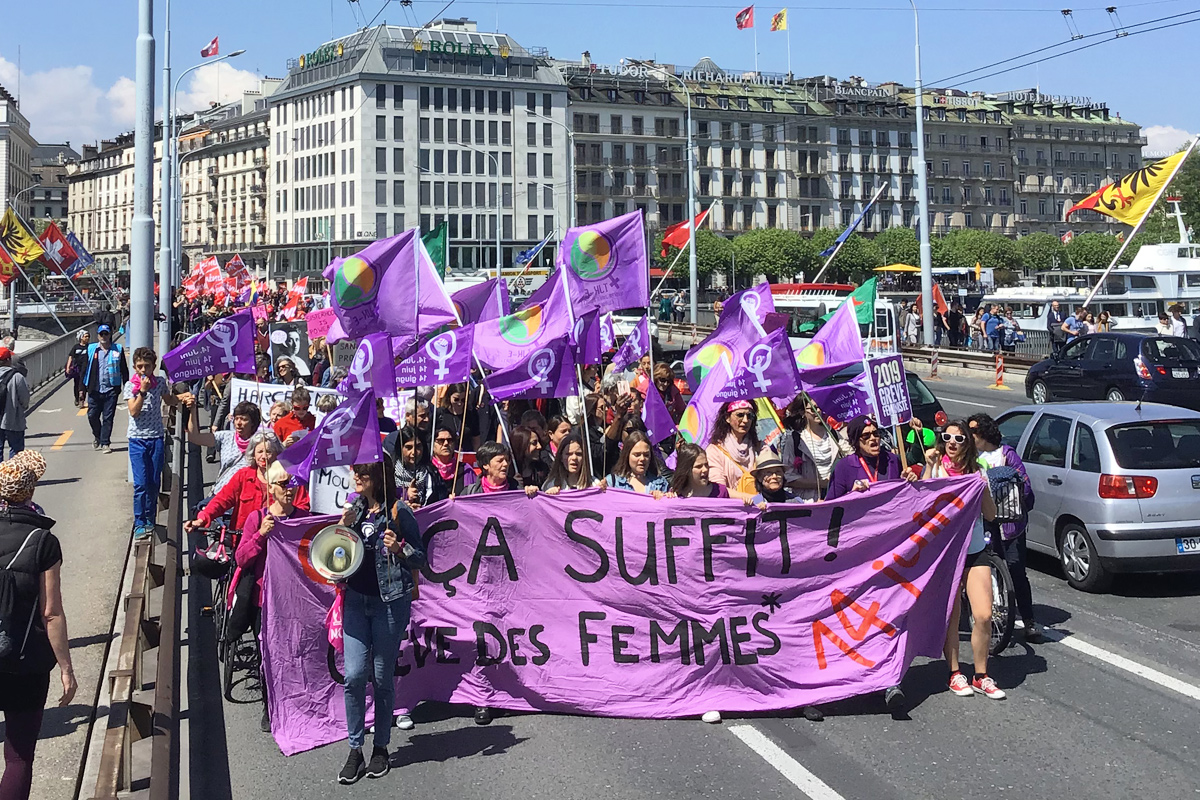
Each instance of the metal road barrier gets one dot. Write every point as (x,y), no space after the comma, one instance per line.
(971,359)
(140,744)
(49,360)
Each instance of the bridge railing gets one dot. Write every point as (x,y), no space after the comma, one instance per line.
(140,746)
(48,361)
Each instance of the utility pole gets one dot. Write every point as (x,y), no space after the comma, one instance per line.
(166,203)
(141,251)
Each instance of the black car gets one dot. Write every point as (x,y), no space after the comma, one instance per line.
(1120,366)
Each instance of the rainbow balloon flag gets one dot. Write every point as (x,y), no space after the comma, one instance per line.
(375,291)
(606,264)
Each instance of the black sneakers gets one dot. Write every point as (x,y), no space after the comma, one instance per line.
(379,765)
(353,769)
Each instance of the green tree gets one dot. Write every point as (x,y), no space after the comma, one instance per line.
(1092,250)
(899,246)
(1041,251)
(714,253)
(773,252)
(965,248)
(855,261)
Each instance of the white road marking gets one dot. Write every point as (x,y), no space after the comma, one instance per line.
(49,410)
(1121,662)
(964,402)
(790,768)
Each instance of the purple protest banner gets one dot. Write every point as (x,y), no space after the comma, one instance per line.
(444,359)
(512,340)
(371,369)
(478,303)
(549,372)
(228,346)
(655,415)
(347,435)
(585,339)
(606,264)
(375,290)
(843,401)
(889,390)
(767,370)
(636,345)
(542,605)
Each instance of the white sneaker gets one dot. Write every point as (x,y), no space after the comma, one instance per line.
(711,717)
(404,722)
(960,685)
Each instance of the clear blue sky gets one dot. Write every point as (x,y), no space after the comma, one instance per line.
(76,73)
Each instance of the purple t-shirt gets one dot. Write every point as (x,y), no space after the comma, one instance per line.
(886,467)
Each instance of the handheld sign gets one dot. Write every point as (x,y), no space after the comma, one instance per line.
(889,390)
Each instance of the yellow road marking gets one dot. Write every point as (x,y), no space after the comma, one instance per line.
(82,411)
(61,440)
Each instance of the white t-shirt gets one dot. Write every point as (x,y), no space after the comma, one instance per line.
(1178,327)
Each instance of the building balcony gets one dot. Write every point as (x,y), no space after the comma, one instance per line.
(260,161)
(211,170)
(258,189)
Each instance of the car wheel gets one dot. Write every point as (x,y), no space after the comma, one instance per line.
(1041,393)
(1079,560)
(1114,395)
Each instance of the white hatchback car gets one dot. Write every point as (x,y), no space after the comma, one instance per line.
(1117,486)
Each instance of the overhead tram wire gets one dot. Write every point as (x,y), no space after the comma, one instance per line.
(798,8)
(1107,33)
(1109,40)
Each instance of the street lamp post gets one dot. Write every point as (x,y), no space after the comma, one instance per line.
(923,192)
(570,164)
(693,272)
(499,214)
(12,290)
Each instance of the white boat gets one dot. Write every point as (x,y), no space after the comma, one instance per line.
(1160,276)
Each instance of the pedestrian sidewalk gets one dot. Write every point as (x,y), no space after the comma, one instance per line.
(87,493)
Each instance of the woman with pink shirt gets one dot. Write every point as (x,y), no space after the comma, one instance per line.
(734,449)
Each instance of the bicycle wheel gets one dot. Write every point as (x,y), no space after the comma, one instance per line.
(1004,605)
(228,665)
(220,613)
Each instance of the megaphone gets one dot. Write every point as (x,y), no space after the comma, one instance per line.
(335,553)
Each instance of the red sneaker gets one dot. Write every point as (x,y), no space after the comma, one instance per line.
(960,686)
(988,688)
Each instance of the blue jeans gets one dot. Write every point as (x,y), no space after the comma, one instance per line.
(146,456)
(15,441)
(101,408)
(371,629)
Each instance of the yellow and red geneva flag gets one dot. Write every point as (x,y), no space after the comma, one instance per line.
(1130,198)
(20,243)
(8,270)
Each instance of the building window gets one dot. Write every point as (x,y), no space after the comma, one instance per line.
(381,95)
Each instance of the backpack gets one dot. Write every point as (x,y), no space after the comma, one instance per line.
(4,390)
(1008,490)
(10,628)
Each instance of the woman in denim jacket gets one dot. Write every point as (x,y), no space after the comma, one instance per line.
(376,607)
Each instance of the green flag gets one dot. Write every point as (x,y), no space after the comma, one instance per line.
(437,242)
(864,307)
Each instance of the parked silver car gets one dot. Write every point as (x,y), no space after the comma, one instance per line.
(1117,486)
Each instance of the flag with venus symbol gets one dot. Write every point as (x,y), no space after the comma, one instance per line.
(228,346)
(347,435)
(548,372)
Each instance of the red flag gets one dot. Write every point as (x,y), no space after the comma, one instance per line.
(59,254)
(8,270)
(237,268)
(677,234)
(292,306)
(745,18)
(211,50)
(940,306)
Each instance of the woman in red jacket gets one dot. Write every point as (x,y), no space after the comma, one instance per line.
(248,490)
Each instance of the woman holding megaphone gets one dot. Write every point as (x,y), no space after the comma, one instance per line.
(375,611)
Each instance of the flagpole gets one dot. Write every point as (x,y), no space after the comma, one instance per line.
(837,249)
(788,30)
(587,434)
(39,297)
(1128,239)
(755,29)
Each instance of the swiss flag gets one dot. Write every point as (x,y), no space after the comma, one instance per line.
(744,18)
(677,234)
(211,50)
(59,254)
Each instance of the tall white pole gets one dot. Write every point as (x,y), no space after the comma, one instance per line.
(141,251)
(166,204)
(923,191)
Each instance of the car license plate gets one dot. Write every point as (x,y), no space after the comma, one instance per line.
(1189,545)
(1179,373)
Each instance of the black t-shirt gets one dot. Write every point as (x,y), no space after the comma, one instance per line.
(364,580)
(40,555)
(79,356)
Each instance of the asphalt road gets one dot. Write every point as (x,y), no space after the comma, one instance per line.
(1107,709)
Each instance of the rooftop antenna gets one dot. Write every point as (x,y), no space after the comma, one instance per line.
(1072,28)
(1115,19)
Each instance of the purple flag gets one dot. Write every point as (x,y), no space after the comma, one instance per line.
(479,302)
(543,292)
(767,370)
(636,345)
(548,372)
(444,359)
(371,369)
(512,340)
(435,308)
(585,339)
(734,334)
(696,424)
(843,401)
(608,334)
(347,435)
(228,346)
(654,413)
(606,264)
(838,342)
(375,291)
(755,302)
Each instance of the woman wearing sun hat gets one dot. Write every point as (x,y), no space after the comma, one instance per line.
(31,596)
